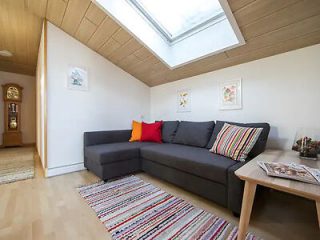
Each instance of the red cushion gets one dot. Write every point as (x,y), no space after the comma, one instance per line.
(151,132)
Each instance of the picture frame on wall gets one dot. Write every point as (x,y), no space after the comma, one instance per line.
(230,94)
(184,100)
(77,79)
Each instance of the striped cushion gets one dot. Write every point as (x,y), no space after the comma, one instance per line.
(235,142)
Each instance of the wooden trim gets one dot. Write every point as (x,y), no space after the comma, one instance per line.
(24,145)
(45,55)
(37,155)
(29,145)
(318,211)
(42,101)
(50,172)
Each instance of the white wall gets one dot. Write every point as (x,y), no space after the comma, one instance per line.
(28,111)
(113,100)
(283,90)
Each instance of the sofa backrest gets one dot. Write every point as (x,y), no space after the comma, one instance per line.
(169,129)
(194,133)
(104,137)
(261,143)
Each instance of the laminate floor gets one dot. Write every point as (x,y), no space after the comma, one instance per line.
(51,208)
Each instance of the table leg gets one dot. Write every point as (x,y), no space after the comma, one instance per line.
(318,211)
(247,202)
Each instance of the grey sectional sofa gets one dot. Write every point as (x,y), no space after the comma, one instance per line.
(182,159)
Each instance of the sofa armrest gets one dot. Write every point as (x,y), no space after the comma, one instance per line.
(103,137)
(235,188)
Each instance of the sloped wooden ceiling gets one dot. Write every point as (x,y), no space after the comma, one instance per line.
(20,32)
(269,27)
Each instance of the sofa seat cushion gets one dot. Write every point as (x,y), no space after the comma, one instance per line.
(193,160)
(113,152)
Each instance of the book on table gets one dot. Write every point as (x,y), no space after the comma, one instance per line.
(291,171)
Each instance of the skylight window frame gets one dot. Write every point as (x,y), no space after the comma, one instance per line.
(165,33)
(219,37)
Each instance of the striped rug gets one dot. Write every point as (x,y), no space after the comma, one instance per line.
(130,208)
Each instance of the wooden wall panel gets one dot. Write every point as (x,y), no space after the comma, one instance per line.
(301,10)
(85,30)
(264,24)
(55,11)
(258,9)
(146,64)
(13,29)
(19,34)
(34,26)
(142,53)
(103,33)
(121,36)
(38,7)
(95,14)
(280,47)
(202,64)
(126,49)
(283,34)
(109,47)
(75,11)
(269,27)
(237,4)
(128,61)
(8,66)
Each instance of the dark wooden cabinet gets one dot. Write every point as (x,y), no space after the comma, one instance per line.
(12,97)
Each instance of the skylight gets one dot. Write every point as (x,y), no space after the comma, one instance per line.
(178,32)
(176,19)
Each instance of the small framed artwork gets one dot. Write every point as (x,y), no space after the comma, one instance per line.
(77,79)
(184,100)
(230,96)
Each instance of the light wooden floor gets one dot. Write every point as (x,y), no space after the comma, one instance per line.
(41,209)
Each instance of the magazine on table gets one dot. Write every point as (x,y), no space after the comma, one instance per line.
(291,171)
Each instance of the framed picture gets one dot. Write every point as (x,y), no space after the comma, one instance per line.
(77,79)
(184,100)
(230,96)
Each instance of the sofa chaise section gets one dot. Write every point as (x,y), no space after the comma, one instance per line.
(109,154)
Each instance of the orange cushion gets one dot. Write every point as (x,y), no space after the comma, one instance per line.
(136,131)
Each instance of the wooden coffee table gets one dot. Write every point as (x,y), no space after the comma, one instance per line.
(253,175)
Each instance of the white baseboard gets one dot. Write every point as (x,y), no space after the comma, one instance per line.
(50,172)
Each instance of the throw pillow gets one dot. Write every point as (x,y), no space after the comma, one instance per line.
(136,131)
(261,143)
(235,142)
(151,132)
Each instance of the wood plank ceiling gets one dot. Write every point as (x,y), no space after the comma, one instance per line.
(20,32)
(269,27)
